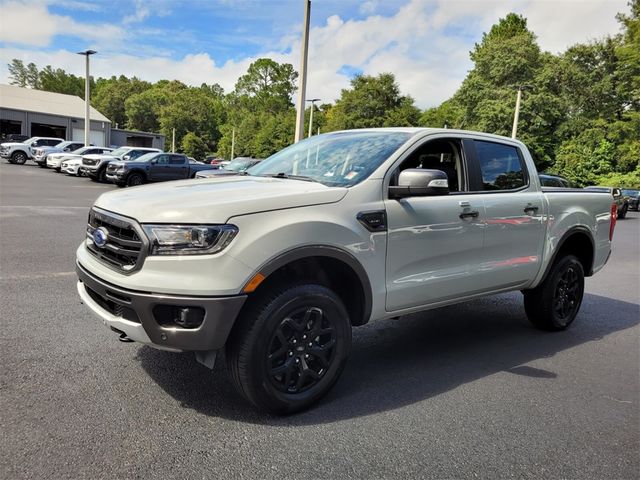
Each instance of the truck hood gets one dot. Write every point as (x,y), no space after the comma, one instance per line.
(215,200)
(13,144)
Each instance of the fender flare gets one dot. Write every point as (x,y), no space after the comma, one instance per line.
(569,233)
(330,252)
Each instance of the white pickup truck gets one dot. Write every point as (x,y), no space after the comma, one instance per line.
(20,152)
(277,264)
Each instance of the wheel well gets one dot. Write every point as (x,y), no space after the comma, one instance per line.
(580,245)
(327,271)
(139,172)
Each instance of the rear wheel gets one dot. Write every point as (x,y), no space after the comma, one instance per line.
(555,303)
(289,348)
(134,179)
(19,158)
(623,211)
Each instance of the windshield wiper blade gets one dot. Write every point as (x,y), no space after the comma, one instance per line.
(291,177)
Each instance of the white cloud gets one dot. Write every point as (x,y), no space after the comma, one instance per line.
(369,7)
(426,44)
(141,12)
(18,16)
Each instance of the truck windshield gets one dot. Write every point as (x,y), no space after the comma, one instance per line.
(337,159)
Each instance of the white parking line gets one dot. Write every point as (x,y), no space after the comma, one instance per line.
(13,211)
(36,276)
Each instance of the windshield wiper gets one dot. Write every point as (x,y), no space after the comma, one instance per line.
(291,177)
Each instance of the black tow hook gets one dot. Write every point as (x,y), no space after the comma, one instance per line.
(123,336)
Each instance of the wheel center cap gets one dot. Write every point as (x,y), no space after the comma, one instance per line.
(300,348)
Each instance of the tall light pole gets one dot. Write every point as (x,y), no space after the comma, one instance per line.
(313,104)
(87,92)
(516,114)
(302,79)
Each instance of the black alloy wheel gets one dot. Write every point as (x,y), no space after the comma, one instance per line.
(19,158)
(555,303)
(134,179)
(301,350)
(289,346)
(567,295)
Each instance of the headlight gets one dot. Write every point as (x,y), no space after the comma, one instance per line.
(189,239)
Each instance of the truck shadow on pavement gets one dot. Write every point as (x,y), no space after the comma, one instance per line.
(395,363)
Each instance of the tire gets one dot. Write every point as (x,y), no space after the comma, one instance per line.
(19,158)
(555,303)
(42,165)
(102,175)
(271,335)
(134,179)
(623,212)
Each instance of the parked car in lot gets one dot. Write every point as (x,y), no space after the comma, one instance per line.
(71,162)
(618,198)
(236,166)
(20,152)
(55,160)
(550,180)
(633,196)
(153,167)
(40,154)
(95,166)
(276,266)
(213,160)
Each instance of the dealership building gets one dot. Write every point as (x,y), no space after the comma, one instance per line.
(36,113)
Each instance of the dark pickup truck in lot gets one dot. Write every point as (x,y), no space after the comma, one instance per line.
(153,167)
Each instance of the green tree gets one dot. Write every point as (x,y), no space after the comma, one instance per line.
(194,146)
(109,96)
(372,102)
(268,84)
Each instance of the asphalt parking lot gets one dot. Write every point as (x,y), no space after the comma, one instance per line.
(465,391)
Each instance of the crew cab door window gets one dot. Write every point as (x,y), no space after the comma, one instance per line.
(514,209)
(177,167)
(432,252)
(500,166)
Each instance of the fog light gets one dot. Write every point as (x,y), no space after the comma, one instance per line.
(185,317)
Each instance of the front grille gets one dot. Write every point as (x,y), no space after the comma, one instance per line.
(125,246)
(89,161)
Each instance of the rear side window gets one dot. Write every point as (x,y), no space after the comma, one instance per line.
(176,160)
(500,166)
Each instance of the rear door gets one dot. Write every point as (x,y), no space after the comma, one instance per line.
(434,248)
(515,217)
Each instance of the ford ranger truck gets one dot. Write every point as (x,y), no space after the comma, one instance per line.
(275,266)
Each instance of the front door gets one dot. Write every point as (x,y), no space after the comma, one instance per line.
(160,170)
(434,250)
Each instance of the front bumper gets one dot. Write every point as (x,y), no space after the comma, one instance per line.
(116,177)
(140,315)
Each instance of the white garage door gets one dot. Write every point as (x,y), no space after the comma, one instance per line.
(96,137)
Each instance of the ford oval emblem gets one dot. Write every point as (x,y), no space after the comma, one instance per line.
(100,236)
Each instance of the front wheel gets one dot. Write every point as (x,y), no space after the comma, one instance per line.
(134,179)
(19,158)
(555,303)
(289,348)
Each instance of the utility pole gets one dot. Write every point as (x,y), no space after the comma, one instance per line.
(87,98)
(313,104)
(173,140)
(233,142)
(302,79)
(516,114)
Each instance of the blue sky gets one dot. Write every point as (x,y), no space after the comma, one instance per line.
(424,42)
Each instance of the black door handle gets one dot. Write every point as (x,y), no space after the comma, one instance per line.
(530,208)
(472,214)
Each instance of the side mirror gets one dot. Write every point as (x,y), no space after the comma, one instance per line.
(67,149)
(34,144)
(418,182)
(126,157)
